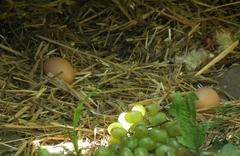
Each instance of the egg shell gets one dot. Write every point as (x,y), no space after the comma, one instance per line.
(207,98)
(56,65)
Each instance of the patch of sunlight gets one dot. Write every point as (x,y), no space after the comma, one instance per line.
(67,147)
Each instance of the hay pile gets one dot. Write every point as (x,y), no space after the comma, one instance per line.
(127,51)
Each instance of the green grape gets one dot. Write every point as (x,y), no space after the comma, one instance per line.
(115,148)
(140,151)
(207,153)
(103,152)
(173,128)
(113,140)
(165,150)
(158,144)
(152,109)
(131,129)
(125,152)
(139,108)
(130,142)
(43,152)
(173,142)
(112,125)
(182,151)
(140,130)
(147,143)
(159,135)
(121,118)
(118,132)
(134,117)
(157,119)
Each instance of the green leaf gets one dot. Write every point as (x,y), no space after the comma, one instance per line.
(176,104)
(191,99)
(229,150)
(184,110)
(76,119)
(202,131)
(74,139)
(77,114)
(79,109)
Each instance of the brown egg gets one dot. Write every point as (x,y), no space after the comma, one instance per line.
(56,65)
(207,98)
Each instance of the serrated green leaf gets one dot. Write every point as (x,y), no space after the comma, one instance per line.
(176,104)
(202,130)
(184,110)
(229,150)
(191,99)
(188,137)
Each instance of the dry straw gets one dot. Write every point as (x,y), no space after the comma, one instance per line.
(124,50)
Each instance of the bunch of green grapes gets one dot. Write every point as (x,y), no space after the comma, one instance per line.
(144,131)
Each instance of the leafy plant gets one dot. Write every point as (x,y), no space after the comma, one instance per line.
(193,134)
(184,110)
